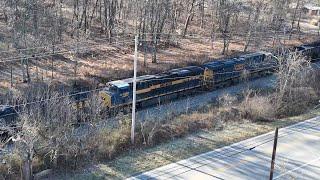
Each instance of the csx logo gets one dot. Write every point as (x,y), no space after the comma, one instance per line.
(125,94)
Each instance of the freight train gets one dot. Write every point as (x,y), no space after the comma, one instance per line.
(152,89)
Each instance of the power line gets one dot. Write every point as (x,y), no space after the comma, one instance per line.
(57,45)
(90,91)
(49,54)
(59,52)
(57,98)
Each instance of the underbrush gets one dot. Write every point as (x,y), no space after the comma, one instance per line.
(109,142)
(53,142)
(257,108)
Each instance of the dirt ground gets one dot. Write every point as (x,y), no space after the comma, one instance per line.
(99,61)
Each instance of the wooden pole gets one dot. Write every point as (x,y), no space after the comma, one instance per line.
(274,154)
(134,90)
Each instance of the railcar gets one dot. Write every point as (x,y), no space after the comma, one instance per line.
(311,51)
(259,63)
(220,73)
(152,88)
(8,114)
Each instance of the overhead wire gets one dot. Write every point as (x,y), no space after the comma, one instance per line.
(49,54)
(128,41)
(99,89)
(66,51)
(57,45)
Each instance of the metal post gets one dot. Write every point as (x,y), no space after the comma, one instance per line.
(134,90)
(274,154)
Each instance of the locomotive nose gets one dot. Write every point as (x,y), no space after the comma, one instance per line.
(107,98)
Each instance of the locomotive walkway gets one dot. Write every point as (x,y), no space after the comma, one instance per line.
(298,157)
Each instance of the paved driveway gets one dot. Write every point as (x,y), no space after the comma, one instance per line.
(298,157)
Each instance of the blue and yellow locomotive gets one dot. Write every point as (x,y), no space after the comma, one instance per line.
(154,88)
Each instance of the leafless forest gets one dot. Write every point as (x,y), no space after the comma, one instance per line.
(93,39)
(32,23)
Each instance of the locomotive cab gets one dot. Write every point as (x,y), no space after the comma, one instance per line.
(211,73)
(115,94)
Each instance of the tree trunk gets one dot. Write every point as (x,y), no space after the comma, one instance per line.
(189,17)
(294,18)
(154,57)
(27,70)
(202,13)
(27,167)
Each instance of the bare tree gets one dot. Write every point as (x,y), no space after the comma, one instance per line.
(227,14)
(190,14)
(253,22)
(292,86)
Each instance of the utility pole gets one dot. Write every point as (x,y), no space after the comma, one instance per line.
(134,89)
(274,154)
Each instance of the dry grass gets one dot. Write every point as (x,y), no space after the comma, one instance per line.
(111,142)
(257,108)
(141,160)
(298,102)
(10,166)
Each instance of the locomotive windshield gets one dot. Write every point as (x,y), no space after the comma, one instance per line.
(113,88)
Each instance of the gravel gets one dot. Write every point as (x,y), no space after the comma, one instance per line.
(201,100)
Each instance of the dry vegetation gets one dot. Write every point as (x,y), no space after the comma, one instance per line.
(50,139)
(93,39)
(56,135)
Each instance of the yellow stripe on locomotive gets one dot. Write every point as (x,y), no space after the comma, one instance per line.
(106,99)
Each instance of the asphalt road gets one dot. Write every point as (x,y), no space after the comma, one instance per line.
(298,157)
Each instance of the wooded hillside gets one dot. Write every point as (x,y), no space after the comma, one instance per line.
(94,38)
